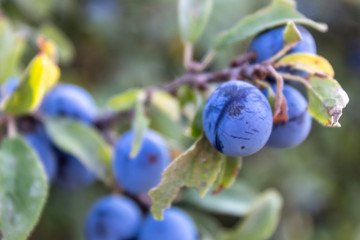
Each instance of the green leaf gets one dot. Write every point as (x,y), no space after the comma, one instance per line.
(166,126)
(167,104)
(326,100)
(235,201)
(197,168)
(124,101)
(64,45)
(193,16)
(197,123)
(23,189)
(209,228)
(11,47)
(140,124)
(262,220)
(279,12)
(39,77)
(291,34)
(310,63)
(83,142)
(36,9)
(228,174)
(186,95)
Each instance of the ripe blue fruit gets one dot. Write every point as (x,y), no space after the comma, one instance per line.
(237,119)
(70,101)
(176,225)
(72,174)
(270,42)
(139,174)
(9,86)
(113,218)
(297,128)
(43,148)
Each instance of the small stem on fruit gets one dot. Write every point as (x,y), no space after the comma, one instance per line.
(279,96)
(282,52)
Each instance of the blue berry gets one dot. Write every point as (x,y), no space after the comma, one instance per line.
(43,148)
(237,119)
(176,225)
(268,43)
(9,87)
(297,128)
(72,174)
(69,101)
(139,174)
(113,218)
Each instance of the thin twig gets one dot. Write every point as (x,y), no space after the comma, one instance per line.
(209,57)
(248,57)
(279,96)
(282,52)
(188,55)
(296,79)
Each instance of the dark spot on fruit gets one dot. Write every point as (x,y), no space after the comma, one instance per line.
(242,138)
(152,159)
(235,110)
(242,147)
(249,133)
(247,123)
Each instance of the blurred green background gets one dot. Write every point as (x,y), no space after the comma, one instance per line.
(132,43)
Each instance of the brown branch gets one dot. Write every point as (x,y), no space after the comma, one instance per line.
(239,69)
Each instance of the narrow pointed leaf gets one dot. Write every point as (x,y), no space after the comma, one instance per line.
(310,63)
(140,125)
(279,12)
(39,77)
(291,34)
(197,168)
(193,16)
(197,123)
(326,100)
(23,189)
(229,172)
(124,101)
(83,142)
(262,220)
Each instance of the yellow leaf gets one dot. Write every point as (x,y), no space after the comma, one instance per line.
(307,62)
(39,77)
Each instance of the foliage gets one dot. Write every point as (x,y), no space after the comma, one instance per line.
(176,112)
